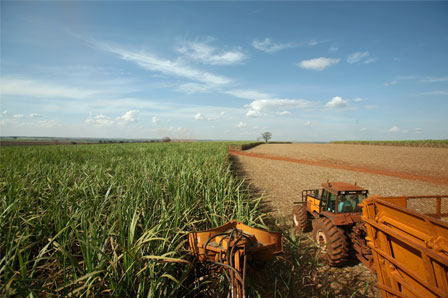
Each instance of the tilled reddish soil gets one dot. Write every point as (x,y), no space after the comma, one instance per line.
(387,171)
(431,162)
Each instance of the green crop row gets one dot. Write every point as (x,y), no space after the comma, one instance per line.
(112,220)
(416,143)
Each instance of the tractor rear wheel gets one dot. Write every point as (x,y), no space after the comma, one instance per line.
(331,240)
(300,218)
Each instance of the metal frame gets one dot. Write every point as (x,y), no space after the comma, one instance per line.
(410,249)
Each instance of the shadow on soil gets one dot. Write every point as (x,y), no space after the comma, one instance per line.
(300,271)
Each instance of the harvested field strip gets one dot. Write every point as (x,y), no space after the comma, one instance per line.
(442,180)
(416,143)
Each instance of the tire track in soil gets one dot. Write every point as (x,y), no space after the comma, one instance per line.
(442,181)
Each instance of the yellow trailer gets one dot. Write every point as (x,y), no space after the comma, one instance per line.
(409,241)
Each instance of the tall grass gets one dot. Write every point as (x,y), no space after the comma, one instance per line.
(111,220)
(413,143)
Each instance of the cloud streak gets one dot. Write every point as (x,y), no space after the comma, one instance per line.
(261,107)
(435,80)
(318,63)
(362,57)
(200,116)
(248,94)
(268,46)
(151,62)
(204,53)
(33,88)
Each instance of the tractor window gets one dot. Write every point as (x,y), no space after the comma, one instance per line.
(323,200)
(349,203)
(332,202)
(359,198)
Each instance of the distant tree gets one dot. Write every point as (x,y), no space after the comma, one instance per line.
(266,136)
(166,140)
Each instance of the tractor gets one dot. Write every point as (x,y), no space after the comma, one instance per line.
(336,221)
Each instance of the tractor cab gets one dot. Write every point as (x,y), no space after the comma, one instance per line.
(341,197)
(338,201)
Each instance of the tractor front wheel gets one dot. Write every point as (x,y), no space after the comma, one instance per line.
(300,218)
(331,240)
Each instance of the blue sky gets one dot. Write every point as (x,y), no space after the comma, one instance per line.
(305,71)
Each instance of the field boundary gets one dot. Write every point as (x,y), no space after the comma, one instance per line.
(442,181)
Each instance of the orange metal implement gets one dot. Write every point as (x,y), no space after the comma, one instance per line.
(410,249)
(232,247)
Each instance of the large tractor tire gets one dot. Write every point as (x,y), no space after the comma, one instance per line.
(359,243)
(331,240)
(300,218)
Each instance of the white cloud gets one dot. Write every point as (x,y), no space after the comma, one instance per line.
(270,47)
(200,116)
(334,48)
(363,57)
(262,107)
(394,129)
(42,89)
(241,125)
(249,94)
(363,129)
(435,92)
(151,62)
(435,80)
(155,120)
(314,42)
(318,63)
(337,102)
(370,107)
(418,130)
(308,123)
(18,116)
(5,113)
(49,124)
(359,99)
(192,88)
(394,82)
(204,53)
(400,78)
(370,60)
(99,120)
(34,115)
(282,113)
(130,116)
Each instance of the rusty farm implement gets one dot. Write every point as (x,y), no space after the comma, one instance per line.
(232,248)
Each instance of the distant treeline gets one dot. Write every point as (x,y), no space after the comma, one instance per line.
(414,143)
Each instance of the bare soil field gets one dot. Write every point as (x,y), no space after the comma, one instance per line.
(431,162)
(281,183)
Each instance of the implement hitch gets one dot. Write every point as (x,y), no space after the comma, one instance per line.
(232,248)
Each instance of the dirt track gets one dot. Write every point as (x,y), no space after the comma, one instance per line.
(382,170)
